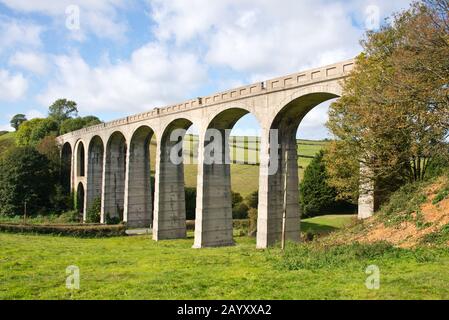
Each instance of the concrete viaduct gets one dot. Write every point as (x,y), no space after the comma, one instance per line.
(111,160)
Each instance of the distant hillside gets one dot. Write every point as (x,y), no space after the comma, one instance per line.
(418,214)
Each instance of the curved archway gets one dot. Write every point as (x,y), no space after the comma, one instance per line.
(170,207)
(80,160)
(66,167)
(271,199)
(115,174)
(139,203)
(80,198)
(95,171)
(214,225)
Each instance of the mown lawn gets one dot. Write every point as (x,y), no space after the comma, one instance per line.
(34,267)
(327,223)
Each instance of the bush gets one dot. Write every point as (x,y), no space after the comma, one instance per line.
(112,220)
(93,214)
(240,211)
(70,217)
(31,132)
(252,200)
(82,231)
(25,176)
(252,229)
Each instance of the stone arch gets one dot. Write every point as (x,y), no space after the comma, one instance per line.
(80,159)
(170,205)
(289,115)
(114,177)
(66,167)
(139,203)
(95,170)
(213,226)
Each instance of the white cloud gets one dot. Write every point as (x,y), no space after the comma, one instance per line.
(154,76)
(6,127)
(12,86)
(32,114)
(265,38)
(33,62)
(15,33)
(100,17)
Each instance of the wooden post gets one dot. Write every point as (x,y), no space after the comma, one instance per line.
(284,213)
(25,213)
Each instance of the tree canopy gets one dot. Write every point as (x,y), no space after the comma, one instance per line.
(63,109)
(393,115)
(17,120)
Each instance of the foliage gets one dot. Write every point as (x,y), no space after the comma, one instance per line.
(32,132)
(62,109)
(73,124)
(240,211)
(81,231)
(252,200)
(440,237)
(3,132)
(252,215)
(25,176)
(394,111)
(17,120)
(94,211)
(316,195)
(112,220)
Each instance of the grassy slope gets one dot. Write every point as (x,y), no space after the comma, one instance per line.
(7,141)
(33,267)
(326,224)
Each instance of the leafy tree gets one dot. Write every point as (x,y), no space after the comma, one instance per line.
(393,116)
(252,200)
(25,176)
(94,212)
(74,124)
(17,120)
(316,196)
(62,109)
(31,132)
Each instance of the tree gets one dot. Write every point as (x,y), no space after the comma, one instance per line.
(33,131)
(62,109)
(252,200)
(74,124)
(393,116)
(17,120)
(315,195)
(25,176)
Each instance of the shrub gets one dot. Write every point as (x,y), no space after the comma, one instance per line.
(112,220)
(70,217)
(93,214)
(252,200)
(31,132)
(252,229)
(82,231)
(240,211)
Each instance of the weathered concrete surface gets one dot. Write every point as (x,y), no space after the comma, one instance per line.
(279,104)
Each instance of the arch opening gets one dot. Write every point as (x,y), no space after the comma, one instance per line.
(176,186)
(80,160)
(95,176)
(223,153)
(115,174)
(286,124)
(140,203)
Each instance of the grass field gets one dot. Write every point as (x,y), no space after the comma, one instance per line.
(34,267)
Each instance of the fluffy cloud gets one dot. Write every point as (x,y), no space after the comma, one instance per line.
(265,38)
(100,17)
(33,62)
(15,34)
(153,76)
(12,86)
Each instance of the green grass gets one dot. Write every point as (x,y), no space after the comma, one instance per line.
(34,267)
(326,224)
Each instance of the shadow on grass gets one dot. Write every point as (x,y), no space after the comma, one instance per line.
(316,228)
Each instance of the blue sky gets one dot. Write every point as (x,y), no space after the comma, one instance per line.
(125,57)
